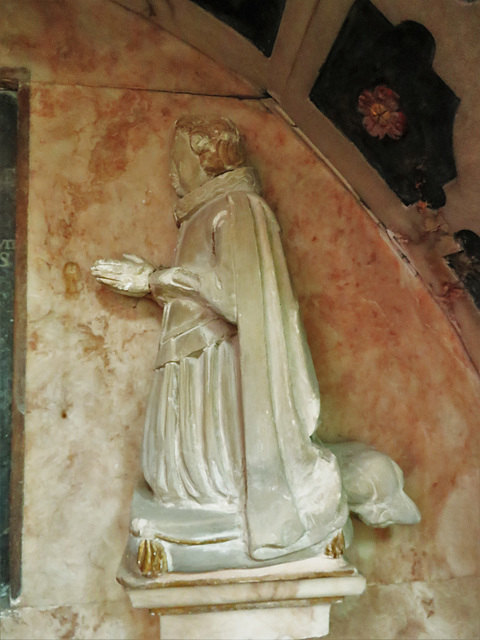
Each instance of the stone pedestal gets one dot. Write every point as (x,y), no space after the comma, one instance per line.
(290,600)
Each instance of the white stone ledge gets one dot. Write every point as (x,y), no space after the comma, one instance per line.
(290,600)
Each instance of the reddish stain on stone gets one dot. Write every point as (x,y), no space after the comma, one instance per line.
(280,138)
(33,341)
(108,160)
(46,105)
(383,534)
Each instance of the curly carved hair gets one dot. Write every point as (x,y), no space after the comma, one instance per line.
(215,140)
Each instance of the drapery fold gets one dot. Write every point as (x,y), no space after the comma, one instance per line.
(290,484)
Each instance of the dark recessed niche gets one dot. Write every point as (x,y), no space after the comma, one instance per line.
(378,87)
(466,263)
(256,20)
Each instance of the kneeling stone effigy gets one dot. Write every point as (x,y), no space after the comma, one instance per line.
(243,513)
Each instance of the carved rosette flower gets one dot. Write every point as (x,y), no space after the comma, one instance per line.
(382,116)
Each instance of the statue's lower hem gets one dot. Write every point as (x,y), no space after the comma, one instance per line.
(163,539)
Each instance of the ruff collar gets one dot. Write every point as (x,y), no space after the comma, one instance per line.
(244,179)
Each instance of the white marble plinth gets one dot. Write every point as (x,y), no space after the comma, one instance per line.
(289,600)
(254,624)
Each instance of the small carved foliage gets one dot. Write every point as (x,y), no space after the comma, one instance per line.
(151,558)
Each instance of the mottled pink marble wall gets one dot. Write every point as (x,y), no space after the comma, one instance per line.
(97,43)
(391,368)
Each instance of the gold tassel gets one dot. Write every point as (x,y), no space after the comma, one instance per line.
(336,547)
(151,558)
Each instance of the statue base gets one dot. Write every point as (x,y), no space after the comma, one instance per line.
(186,540)
(288,600)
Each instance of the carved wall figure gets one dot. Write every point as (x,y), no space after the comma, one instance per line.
(236,473)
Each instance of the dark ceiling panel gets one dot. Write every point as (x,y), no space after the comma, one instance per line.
(256,20)
(466,263)
(378,87)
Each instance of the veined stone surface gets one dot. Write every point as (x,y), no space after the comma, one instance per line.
(289,600)
(98,43)
(392,371)
(391,368)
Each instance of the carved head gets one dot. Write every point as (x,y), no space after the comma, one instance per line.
(204,147)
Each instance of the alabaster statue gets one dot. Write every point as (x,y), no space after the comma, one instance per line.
(235,471)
